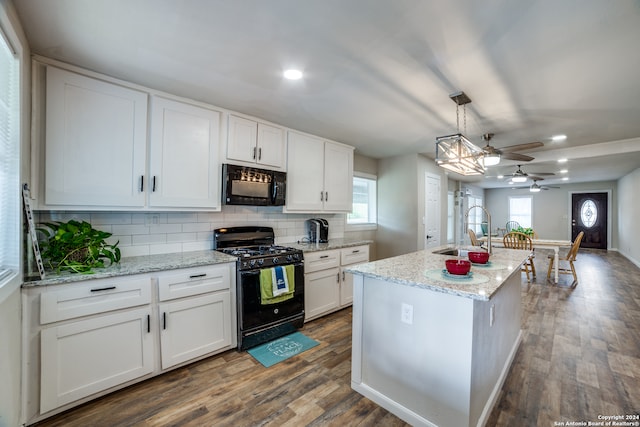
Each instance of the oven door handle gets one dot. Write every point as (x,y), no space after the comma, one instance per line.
(257,271)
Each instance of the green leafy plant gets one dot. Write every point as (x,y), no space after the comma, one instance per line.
(76,246)
(528,231)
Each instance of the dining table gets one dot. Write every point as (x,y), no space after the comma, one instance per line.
(554,244)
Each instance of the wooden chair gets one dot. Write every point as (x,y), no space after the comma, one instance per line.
(473,238)
(569,258)
(517,240)
(512,225)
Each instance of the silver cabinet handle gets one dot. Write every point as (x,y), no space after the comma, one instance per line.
(326,196)
(343,276)
(254,153)
(322,196)
(141,183)
(260,153)
(197,276)
(153,185)
(338,278)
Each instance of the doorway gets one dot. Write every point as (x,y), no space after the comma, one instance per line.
(589,213)
(431,210)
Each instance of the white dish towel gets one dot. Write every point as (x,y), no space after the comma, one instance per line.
(279,281)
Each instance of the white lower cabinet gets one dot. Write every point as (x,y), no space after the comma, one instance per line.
(193,327)
(88,356)
(321,292)
(350,256)
(87,338)
(327,286)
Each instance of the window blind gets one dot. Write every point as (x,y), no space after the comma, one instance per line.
(10,193)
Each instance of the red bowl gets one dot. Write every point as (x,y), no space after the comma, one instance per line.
(479,257)
(458,266)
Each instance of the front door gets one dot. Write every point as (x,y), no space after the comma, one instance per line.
(589,214)
(431,210)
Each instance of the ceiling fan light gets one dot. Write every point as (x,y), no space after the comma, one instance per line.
(519,179)
(491,159)
(535,189)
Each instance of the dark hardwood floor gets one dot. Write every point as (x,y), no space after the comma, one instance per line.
(579,359)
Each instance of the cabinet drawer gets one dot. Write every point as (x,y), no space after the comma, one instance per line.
(354,255)
(193,281)
(94,296)
(321,260)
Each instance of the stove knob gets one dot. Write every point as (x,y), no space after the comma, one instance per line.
(244,264)
(260,261)
(275,260)
(289,258)
(252,262)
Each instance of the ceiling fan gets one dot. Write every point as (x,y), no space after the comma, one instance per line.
(535,187)
(520,176)
(493,155)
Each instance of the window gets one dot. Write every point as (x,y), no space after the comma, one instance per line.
(9,160)
(365,205)
(520,210)
(589,213)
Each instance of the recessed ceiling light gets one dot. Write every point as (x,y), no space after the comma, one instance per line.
(292,74)
(500,176)
(565,178)
(564,171)
(557,138)
(562,160)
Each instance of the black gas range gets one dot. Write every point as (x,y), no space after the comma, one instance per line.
(260,319)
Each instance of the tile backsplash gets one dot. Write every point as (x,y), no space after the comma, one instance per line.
(149,233)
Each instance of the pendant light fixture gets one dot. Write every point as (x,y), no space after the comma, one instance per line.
(455,152)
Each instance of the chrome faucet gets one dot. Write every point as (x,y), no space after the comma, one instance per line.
(488,223)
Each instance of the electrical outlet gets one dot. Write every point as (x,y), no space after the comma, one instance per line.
(492,314)
(406,314)
(151,220)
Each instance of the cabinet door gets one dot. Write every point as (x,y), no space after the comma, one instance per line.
(305,173)
(88,356)
(346,288)
(241,144)
(184,164)
(353,255)
(96,136)
(338,178)
(194,327)
(271,146)
(321,292)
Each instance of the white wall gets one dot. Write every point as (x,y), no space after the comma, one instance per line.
(628,214)
(401,203)
(552,208)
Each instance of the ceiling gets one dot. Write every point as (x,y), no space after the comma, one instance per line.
(378,73)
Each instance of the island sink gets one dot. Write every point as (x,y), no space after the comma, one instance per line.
(446,251)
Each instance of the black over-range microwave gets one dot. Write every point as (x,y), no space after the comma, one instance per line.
(252,186)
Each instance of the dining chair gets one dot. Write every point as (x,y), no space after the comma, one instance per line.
(512,225)
(517,240)
(569,258)
(473,238)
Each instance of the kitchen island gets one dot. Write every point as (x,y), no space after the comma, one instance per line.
(431,349)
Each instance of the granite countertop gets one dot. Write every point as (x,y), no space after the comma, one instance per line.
(139,265)
(424,269)
(151,263)
(332,244)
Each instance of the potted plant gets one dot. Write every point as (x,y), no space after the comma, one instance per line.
(528,231)
(76,246)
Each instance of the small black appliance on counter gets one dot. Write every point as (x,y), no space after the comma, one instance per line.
(318,230)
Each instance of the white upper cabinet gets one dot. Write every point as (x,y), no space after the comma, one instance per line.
(183,165)
(319,175)
(256,143)
(96,136)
